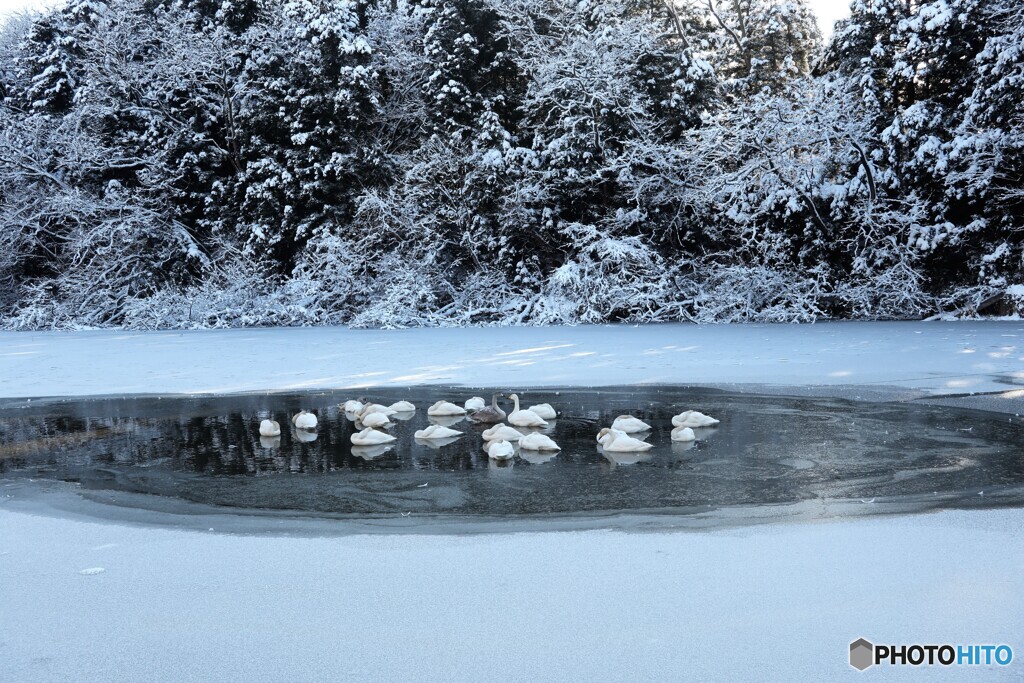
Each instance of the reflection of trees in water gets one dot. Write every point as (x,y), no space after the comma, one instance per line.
(769,449)
(73,442)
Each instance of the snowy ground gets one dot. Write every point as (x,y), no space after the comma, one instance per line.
(936,357)
(768,603)
(764,602)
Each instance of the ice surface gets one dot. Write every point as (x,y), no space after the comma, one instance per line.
(783,601)
(939,357)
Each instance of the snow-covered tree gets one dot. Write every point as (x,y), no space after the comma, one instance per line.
(762,44)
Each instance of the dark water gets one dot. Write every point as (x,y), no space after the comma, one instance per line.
(767,450)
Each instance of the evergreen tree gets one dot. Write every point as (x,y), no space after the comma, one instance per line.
(762,44)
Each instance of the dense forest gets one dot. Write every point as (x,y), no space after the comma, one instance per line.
(208,163)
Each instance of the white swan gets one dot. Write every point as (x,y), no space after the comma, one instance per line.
(545,411)
(371,437)
(352,406)
(436,432)
(502,432)
(692,418)
(500,450)
(606,434)
(475,403)
(375,420)
(621,443)
(683,434)
(524,418)
(538,442)
(375,408)
(304,420)
(445,408)
(270,428)
(403,407)
(630,425)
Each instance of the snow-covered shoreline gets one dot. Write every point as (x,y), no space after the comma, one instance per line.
(931,357)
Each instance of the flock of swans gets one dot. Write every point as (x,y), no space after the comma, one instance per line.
(625,435)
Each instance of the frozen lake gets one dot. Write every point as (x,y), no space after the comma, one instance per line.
(853,458)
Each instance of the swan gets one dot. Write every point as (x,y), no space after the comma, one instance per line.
(436,432)
(630,425)
(371,437)
(683,434)
(491,413)
(445,408)
(500,450)
(538,442)
(524,418)
(402,407)
(606,434)
(475,403)
(692,418)
(375,420)
(545,411)
(375,408)
(270,428)
(622,443)
(352,406)
(502,432)
(304,420)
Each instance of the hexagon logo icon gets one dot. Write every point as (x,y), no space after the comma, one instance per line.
(862,654)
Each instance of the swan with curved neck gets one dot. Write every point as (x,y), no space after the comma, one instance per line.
(371,408)
(524,418)
(304,420)
(445,409)
(538,442)
(500,450)
(630,424)
(545,410)
(502,433)
(618,442)
(375,420)
(352,406)
(436,432)
(371,437)
(490,414)
(683,434)
(694,419)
